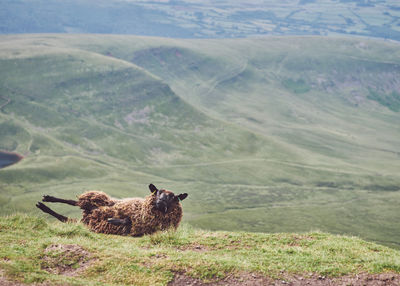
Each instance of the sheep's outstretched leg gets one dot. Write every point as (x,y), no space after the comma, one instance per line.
(51,199)
(46,209)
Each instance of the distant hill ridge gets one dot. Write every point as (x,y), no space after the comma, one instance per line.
(204,19)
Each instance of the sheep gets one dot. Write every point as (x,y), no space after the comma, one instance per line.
(132,216)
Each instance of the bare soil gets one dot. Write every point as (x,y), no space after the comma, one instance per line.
(251,279)
(66,259)
(194,247)
(247,279)
(61,259)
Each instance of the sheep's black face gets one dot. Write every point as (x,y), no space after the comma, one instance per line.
(165,200)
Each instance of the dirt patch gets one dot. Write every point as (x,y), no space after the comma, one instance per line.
(363,279)
(244,279)
(194,247)
(66,259)
(230,245)
(247,279)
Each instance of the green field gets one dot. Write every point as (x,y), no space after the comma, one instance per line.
(36,251)
(275,134)
(204,19)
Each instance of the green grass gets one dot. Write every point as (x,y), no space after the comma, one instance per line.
(153,259)
(267,135)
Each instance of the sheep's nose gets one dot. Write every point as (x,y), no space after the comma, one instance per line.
(162,207)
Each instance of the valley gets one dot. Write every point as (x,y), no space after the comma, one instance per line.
(270,134)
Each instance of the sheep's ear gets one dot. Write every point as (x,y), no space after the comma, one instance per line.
(153,188)
(181,197)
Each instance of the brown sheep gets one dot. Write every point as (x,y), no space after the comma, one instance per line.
(133,216)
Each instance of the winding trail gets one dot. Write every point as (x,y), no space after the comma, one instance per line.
(213,83)
(8,100)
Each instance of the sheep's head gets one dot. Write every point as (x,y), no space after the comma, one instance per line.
(165,200)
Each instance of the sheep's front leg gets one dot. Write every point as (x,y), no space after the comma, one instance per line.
(46,209)
(122,222)
(52,199)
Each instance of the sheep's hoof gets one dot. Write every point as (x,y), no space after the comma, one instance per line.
(47,198)
(42,206)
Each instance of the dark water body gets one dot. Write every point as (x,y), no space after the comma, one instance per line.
(7,159)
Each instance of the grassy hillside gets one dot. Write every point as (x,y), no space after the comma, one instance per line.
(270,135)
(34,250)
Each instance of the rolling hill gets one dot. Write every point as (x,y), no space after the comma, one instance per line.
(266,134)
